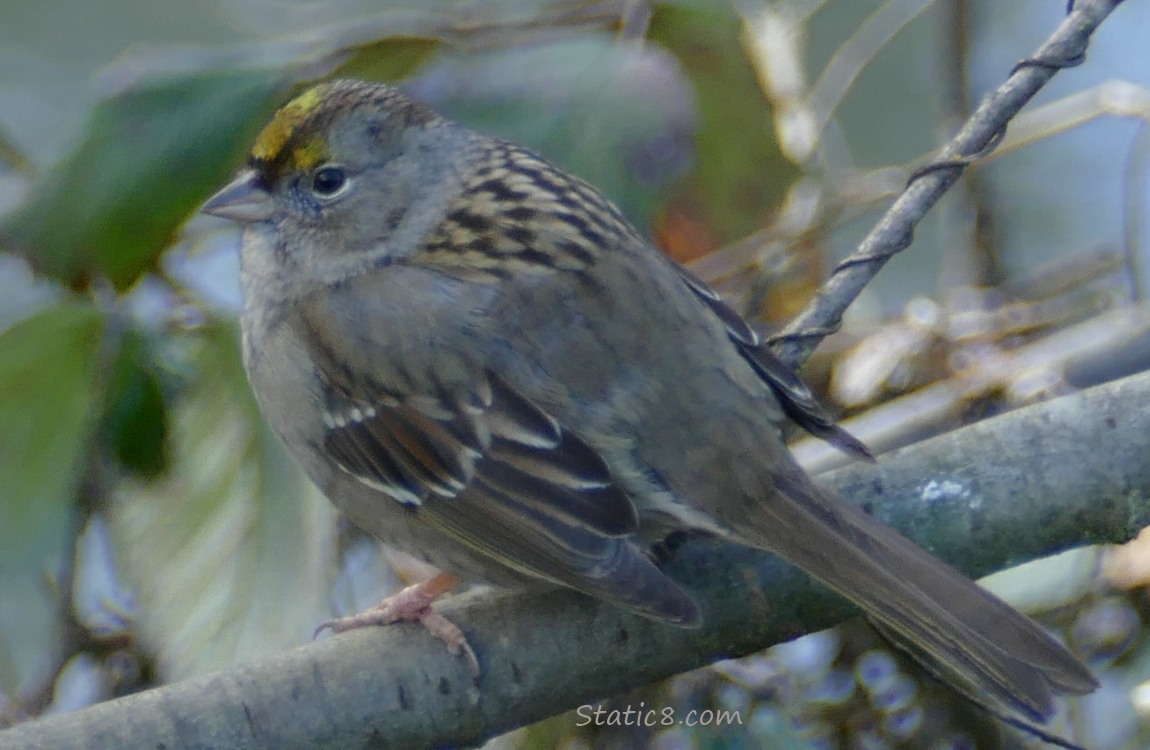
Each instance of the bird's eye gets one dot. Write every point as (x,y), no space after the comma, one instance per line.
(327,181)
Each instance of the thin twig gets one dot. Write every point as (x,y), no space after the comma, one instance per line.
(981,133)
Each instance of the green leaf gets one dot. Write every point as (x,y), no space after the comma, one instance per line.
(48,395)
(389,59)
(136,420)
(147,157)
(230,550)
(741,175)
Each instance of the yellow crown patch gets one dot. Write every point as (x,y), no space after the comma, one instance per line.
(282,130)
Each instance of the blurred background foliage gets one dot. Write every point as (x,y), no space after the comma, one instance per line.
(151,528)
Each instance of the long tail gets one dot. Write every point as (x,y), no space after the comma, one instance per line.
(966,635)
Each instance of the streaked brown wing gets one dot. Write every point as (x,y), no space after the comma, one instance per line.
(798,402)
(1003,660)
(497,473)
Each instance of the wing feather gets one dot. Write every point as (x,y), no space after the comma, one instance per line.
(495,471)
(798,403)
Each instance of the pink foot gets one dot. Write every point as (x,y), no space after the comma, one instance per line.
(413,604)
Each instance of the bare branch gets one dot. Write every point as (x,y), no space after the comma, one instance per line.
(998,492)
(982,132)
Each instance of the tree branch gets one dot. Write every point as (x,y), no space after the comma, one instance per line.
(1034,481)
(1066,47)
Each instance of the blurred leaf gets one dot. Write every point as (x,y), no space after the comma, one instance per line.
(620,116)
(389,59)
(136,419)
(230,550)
(741,175)
(47,397)
(148,156)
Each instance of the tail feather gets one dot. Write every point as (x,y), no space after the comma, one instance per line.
(965,634)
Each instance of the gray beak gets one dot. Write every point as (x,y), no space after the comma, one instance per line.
(242,200)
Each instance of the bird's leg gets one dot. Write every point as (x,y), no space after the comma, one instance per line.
(413,604)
